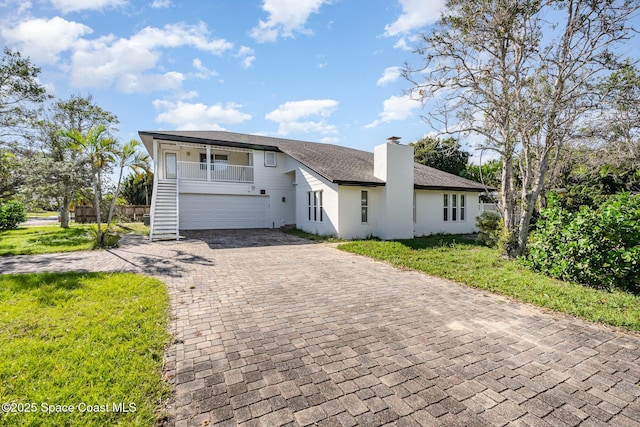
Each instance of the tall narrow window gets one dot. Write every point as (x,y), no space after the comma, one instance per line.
(445,204)
(314,206)
(364,205)
(454,207)
(462,207)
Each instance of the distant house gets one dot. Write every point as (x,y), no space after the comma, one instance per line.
(224,180)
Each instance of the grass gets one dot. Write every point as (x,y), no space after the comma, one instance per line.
(53,238)
(45,239)
(133,228)
(460,259)
(41,214)
(82,339)
(313,237)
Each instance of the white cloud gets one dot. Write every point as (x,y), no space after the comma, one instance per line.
(415,15)
(189,116)
(390,74)
(203,72)
(107,60)
(66,6)
(44,39)
(286,17)
(396,108)
(246,54)
(132,83)
(289,115)
(161,4)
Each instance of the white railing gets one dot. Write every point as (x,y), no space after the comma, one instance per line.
(222,172)
(488,207)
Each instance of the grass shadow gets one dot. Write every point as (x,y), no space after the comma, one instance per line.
(439,241)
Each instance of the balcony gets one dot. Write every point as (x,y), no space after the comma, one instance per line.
(218,172)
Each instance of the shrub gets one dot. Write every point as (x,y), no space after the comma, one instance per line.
(598,248)
(11,215)
(111,239)
(490,226)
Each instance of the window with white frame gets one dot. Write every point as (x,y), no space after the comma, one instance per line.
(454,207)
(314,206)
(364,206)
(270,159)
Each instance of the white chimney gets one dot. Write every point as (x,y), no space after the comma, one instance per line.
(393,164)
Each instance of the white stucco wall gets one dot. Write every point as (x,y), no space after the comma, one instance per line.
(307,180)
(351,226)
(430,218)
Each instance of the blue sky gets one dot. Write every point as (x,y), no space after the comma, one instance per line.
(315,70)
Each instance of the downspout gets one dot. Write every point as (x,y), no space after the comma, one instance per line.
(177,200)
(154,195)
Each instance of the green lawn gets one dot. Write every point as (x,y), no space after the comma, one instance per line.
(87,341)
(53,238)
(41,214)
(462,260)
(45,239)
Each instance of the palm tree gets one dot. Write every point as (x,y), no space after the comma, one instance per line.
(99,148)
(127,157)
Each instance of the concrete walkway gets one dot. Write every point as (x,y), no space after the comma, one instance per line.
(272,330)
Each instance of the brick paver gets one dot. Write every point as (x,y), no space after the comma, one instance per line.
(272,330)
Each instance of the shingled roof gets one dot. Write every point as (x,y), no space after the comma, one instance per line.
(340,165)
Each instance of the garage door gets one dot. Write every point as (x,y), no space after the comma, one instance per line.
(209,211)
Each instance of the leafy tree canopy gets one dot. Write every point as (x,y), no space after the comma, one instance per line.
(443,154)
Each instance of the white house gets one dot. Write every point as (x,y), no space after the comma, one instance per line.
(224,180)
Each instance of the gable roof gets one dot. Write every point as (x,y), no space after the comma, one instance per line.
(337,164)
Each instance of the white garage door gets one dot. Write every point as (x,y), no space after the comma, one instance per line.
(210,211)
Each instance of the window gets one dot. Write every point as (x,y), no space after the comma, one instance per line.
(220,161)
(270,159)
(445,202)
(454,207)
(364,206)
(314,206)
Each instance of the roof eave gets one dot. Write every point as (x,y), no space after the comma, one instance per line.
(207,141)
(449,187)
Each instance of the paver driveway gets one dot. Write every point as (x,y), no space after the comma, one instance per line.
(272,330)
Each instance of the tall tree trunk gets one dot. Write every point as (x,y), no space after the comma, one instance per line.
(96,203)
(112,208)
(64,215)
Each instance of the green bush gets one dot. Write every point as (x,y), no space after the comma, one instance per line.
(11,215)
(599,248)
(490,226)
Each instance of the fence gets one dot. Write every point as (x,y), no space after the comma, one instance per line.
(86,214)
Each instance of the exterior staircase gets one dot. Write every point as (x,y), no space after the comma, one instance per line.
(164,211)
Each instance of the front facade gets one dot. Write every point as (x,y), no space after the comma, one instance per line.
(222,180)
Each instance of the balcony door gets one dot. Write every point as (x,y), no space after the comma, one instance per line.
(170,165)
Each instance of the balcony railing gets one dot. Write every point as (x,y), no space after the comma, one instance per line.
(219,172)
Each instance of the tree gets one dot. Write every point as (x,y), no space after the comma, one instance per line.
(443,154)
(60,171)
(20,95)
(12,174)
(127,157)
(520,74)
(99,149)
(487,173)
(137,187)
